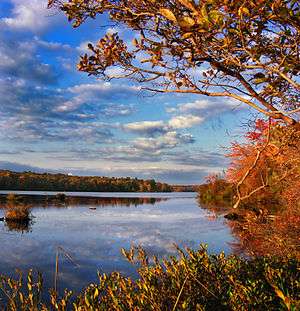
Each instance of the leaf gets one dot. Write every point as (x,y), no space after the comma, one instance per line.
(215,16)
(243,11)
(204,13)
(86,300)
(168,14)
(279,293)
(187,35)
(96,294)
(260,80)
(186,22)
(188,4)
(135,42)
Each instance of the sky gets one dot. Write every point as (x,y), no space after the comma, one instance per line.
(56,119)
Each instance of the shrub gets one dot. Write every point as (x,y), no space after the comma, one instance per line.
(15,210)
(17,213)
(216,194)
(193,281)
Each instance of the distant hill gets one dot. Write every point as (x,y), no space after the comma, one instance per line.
(29,181)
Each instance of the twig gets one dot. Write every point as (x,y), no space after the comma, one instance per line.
(69,257)
(181,290)
(56,272)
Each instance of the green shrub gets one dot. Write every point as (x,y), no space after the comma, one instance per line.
(193,281)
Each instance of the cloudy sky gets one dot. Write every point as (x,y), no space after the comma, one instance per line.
(53,118)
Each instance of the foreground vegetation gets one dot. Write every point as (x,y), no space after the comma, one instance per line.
(193,281)
(60,182)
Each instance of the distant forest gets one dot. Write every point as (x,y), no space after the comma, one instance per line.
(61,182)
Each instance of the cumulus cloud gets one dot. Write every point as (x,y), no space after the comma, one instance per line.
(28,113)
(29,15)
(166,141)
(30,128)
(206,108)
(146,127)
(151,128)
(185,121)
(117,110)
(160,136)
(95,92)
(19,60)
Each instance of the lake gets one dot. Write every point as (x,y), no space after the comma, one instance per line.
(94,237)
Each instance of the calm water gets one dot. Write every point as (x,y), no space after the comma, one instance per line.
(94,237)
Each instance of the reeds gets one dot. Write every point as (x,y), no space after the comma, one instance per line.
(194,280)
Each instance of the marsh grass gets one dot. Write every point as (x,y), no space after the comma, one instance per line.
(193,280)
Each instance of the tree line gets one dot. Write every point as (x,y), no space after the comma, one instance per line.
(61,182)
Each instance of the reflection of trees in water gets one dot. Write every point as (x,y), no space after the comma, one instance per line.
(69,201)
(259,233)
(101,202)
(264,235)
(219,208)
(22,226)
(241,246)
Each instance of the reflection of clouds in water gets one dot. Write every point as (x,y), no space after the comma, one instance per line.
(94,238)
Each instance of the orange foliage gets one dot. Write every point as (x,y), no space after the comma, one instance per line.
(269,162)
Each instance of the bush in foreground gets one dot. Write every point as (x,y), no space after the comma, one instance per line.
(194,281)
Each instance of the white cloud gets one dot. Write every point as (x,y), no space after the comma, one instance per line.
(52,46)
(185,121)
(166,141)
(206,108)
(30,15)
(99,92)
(158,127)
(145,126)
(18,59)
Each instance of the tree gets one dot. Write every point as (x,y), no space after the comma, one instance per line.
(245,50)
(266,167)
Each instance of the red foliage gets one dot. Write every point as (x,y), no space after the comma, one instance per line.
(270,160)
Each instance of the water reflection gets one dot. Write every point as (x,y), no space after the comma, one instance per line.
(100,202)
(94,237)
(61,201)
(22,226)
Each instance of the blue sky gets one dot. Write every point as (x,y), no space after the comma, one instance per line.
(53,118)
